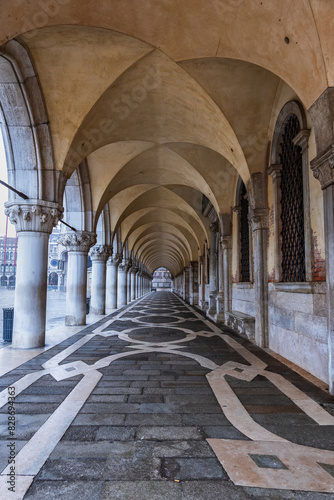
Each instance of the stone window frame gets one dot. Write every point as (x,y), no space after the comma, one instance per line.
(275,168)
(237,210)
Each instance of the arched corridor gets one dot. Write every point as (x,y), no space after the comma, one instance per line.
(194,136)
(156,401)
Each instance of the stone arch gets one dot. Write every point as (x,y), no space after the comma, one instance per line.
(25,126)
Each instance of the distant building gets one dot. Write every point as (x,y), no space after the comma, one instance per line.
(7,261)
(162,280)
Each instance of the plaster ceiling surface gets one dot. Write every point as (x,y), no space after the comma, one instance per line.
(168,101)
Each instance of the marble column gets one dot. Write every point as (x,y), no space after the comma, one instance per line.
(99,255)
(78,244)
(213,269)
(259,221)
(122,283)
(219,317)
(128,283)
(111,281)
(133,294)
(226,245)
(34,221)
(201,265)
(323,170)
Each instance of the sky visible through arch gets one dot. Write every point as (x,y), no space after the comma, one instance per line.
(4,192)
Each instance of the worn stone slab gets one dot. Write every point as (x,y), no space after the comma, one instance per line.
(169,432)
(55,490)
(192,468)
(213,490)
(142,490)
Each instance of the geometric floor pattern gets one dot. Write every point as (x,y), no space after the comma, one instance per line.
(157,402)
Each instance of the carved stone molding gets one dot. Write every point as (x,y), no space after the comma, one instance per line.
(237,209)
(134,269)
(259,219)
(80,241)
(275,171)
(34,215)
(301,139)
(99,253)
(323,167)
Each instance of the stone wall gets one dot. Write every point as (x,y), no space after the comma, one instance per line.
(298,325)
(243,298)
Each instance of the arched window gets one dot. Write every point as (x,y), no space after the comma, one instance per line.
(289,170)
(292,204)
(244,264)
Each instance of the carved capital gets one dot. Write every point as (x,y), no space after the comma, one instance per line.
(226,242)
(99,253)
(80,241)
(301,139)
(134,269)
(214,226)
(34,215)
(323,167)
(124,266)
(259,219)
(114,259)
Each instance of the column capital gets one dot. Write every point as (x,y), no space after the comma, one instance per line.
(259,218)
(114,259)
(275,170)
(124,265)
(99,253)
(323,167)
(79,241)
(34,215)
(214,226)
(237,209)
(134,269)
(225,242)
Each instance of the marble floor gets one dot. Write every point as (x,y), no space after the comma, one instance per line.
(156,402)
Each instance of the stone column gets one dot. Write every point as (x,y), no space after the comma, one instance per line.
(213,269)
(133,294)
(122,283)
(259,221)
(220,296)
(226,244)
(78,244)
(191,283)
(128,283)
(111,281)
(99,255)
(323,170)
(34,221)
(202,286)
(276,172)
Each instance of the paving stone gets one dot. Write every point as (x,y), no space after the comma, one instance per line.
(223,432)
(265,494)
(106,398)
(111,408)
(212,490)
(80,433)
(123,433)
(55,490)
(73,469)
(192,468)
(188,448)
(156,408)
(25,425)
(169,432)
(142,490)
(205,419)
(153,419)
(99,419)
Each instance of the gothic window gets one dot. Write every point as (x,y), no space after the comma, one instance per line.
(244,235)
(292,205)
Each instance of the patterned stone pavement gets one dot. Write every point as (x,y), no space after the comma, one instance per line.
(156,402)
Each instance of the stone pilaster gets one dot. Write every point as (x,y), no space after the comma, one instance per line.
(78,244)
(259,221)
(34,221)
(323,170)
(276,173)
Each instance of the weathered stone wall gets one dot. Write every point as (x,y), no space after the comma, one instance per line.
(298,325)
(243,298)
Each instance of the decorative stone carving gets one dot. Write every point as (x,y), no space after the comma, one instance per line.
(214,227)
(301,139)
(225,242)
(323,167)
(124,265)
(275,171)
(34,215)
(79,241)
(259,219)
(114,259)
(99,252)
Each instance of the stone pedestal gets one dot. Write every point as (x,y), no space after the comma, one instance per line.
(99,255)
(78,244)
(34,221)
